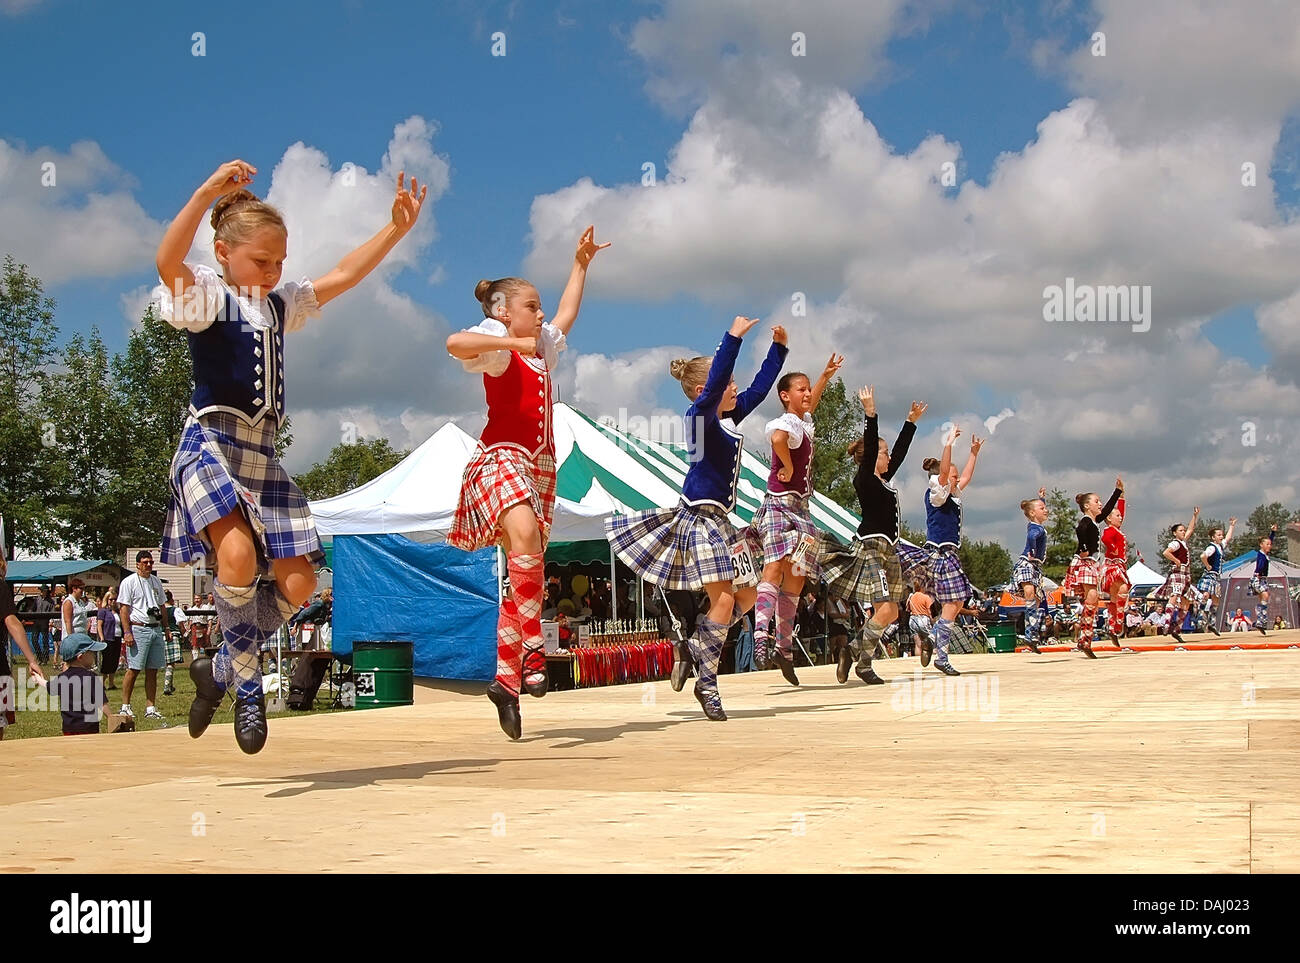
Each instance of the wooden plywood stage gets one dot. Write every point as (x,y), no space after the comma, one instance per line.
(1182,762)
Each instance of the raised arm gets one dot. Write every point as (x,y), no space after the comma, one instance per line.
(179,236)
(1115,496)
(567,311)
(1191,526)
(870,434)
(753,396)
(967,473)
(1227,536)
(724,363)
(904,440)
(832,366)
(350,271)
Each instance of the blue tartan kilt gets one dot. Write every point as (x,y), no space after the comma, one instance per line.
(778,528)
(686,547)
(1209,584)
(949,582)
(1258,585)
(1028,571)
(914,563)
(225,465)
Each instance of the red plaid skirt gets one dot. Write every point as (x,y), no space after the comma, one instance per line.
(1113,572)
(496,479)
(1082,572)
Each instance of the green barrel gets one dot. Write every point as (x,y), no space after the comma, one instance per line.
(1002,635)
(383,673)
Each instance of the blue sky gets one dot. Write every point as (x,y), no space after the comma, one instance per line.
(571,100)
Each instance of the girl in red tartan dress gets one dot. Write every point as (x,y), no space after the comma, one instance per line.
(507,497)
(1114,571)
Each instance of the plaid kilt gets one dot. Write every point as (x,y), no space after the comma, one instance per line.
(1082,572)
(685,547)
(778,527)
(1113,570)
(1209,584)
(1176,585)
(1029,571)
(915,565)
(224,465)
(1258,585)
(496,479)
(172,648)
(947,580)
(866,571)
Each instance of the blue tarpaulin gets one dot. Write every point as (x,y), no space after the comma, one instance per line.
(443,600)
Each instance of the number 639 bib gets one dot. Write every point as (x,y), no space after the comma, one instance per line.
(743,565)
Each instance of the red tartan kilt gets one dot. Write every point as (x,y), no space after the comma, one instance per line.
(496,479)
(1083,572)
(1113,574)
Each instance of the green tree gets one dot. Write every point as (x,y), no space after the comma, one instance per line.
(88,412)
(348,466)
(154,380)
(985,563)
(837,421)
(28,448)
(1258,524)
(1063,516)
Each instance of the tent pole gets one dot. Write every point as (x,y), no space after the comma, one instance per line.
(613,582)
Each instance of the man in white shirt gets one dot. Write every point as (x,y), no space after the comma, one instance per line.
(144,623)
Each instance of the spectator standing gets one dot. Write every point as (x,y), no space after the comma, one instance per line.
(143,611)
(43,629)
(171,646)
(110,633)
(75,618)
(11,627)
(78,690)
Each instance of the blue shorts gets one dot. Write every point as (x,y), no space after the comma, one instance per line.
(147,653)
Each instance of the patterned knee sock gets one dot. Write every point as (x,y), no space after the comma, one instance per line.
(1116,618)
(527,590)
(1034,623)
(871,633)
(273,609)
(1087,623)
(168,677)
(764,612)
(1175,618)
(706,647)
(942,636)
(510,648)
(786,606)
(238,663)
(1261,613)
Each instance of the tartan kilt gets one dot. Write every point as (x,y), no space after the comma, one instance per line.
(1113,570)
(778,528)
(172,648)
(1209,584)
(1082,571)
(1028,571)
(914,562)
(225,465)
(1258,585)
(496,479)
(686,547)
(948,581)
(1176,585)
(866,571)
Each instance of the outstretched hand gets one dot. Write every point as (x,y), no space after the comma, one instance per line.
(406,205)
(587,246)
(741,325)
(918,409)
(779,336)
(976,443)
(833,365)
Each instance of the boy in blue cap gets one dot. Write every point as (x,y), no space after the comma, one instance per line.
(78,689)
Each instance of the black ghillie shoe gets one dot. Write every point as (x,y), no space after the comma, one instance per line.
(927,650)
(946,668)
(868,675)
(536,681)
(783,662)
(682,667)
(711,703)
(843,665)
(250,723)
(207,696)
(507,710)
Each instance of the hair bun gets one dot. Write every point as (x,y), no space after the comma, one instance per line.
(227,201)
(931,465)
(677,367)
(481,290)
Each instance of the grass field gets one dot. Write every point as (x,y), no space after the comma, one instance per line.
(175,708)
